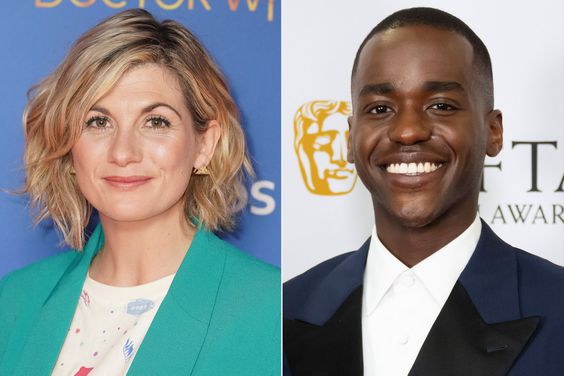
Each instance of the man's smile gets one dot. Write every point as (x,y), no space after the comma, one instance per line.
(413,168)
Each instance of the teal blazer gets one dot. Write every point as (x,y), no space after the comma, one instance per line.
(221,315)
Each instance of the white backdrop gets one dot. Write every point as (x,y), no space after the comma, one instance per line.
(526,43)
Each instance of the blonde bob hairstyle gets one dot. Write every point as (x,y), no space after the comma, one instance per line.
(54,116)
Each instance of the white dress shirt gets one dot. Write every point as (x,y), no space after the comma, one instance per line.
(400,304)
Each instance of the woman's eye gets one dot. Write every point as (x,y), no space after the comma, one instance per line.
(158,122)
(100,122)
(443,107)
(380,109)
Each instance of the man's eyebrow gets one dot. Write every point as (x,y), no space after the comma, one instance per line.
(144,110)
(376,89)
(440,86)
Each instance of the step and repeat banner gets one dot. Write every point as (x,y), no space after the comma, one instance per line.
(326,209)
(243,36)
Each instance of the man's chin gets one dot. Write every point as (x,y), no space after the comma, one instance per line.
(411,216)
(415,222)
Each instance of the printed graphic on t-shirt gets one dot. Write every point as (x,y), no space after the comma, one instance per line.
(108,326)
(128,349)
(140,306)
(83,371)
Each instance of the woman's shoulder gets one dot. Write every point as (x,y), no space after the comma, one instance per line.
(26,281)
(246,315)
(24,290)
(240,264)
(246,279)
(245,265)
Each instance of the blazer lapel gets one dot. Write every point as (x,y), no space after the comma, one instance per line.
(325,336)
(334,348)
(47,325)
(480,330)
(179,329)
(174,339)
(461,343)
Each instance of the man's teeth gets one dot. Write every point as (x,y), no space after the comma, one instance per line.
(412,168)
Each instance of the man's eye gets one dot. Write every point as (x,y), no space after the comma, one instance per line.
(100,122)
(443,107)
(158,122)
(380,109)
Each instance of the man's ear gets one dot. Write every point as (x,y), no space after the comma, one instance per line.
(350,157)
(207,142)
(495,133)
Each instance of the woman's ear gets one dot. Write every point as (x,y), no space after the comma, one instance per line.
(207,143)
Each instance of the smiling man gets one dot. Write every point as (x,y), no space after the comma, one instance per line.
(434,291)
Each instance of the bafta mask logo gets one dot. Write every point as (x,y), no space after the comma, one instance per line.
(320,141)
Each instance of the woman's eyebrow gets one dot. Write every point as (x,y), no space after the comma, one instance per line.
(152,106)
(144,110)
(103,110)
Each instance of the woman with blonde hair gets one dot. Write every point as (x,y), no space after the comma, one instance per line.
(138,123)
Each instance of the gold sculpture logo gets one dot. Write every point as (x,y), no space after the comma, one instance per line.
(320,141)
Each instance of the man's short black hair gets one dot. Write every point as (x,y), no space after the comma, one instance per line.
(441,20)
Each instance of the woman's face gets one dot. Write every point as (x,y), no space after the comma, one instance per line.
(135,156)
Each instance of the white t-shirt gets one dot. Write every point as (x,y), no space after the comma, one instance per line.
(108,327)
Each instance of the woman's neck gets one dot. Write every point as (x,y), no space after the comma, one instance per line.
(137,252)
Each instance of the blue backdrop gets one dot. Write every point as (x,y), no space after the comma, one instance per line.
(243,37)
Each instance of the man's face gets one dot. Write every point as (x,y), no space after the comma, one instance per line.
(324,157)
(421,126)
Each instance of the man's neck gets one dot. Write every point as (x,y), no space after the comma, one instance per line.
(411,245)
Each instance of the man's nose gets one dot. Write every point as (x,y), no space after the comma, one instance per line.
(409,127)
(125,147)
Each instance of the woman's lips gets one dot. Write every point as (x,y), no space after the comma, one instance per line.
(126,182)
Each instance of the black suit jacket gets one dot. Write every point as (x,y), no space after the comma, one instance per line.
(504,316)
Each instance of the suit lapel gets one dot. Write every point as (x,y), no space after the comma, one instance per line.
(325,336)
(461,343)
(480,330)
(334,348)
(47,324)
(178,331)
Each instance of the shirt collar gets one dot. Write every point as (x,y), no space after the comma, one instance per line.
(438,273)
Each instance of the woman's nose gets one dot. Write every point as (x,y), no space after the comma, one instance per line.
(124,147)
